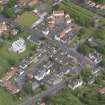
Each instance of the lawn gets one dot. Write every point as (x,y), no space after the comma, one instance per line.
(7,58)
(26,19)
(6,98)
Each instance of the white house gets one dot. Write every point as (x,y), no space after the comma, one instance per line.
(18,46)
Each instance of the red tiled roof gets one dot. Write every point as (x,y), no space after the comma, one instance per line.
(10,87)
(102,91)
(6,82)
(9,74)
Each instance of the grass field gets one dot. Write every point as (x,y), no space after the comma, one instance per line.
(7,58)
(6,98)
(26,19)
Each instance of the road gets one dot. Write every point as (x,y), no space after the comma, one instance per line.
(48,92)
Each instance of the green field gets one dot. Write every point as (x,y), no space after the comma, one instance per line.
(81,15)
(8,58)
(26,19)
(6,98)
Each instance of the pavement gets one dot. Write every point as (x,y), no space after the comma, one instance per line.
(48,92)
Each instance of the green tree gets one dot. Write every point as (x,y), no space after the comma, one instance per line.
(8,12)
(86,74)
(11,3)
(28,87)
(85,49)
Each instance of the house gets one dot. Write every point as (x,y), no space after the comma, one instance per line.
(6,82)
(68,19)
(54,80)
(58,17)
(45,31)
(58,14)
(14,32)
(75,83)
(10,87)
(102,90)
(95,57)
(3,27)
(9,74)
(41,74)
(18,46)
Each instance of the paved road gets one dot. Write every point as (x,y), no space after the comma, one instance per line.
(49,92)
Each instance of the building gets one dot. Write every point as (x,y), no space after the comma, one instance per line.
(58,17)
(58,14)
(45,31)
(67,19)
(6,82)
(3,27)
(14,32)
(54,80)
(10,87)
(95,57)
(18,46)
(102,90)
(41,74)
(73,84)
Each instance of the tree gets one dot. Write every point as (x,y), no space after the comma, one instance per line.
(86,74)
(28,87)
(11,3)
(85,49)
(8,12)
(100,1)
